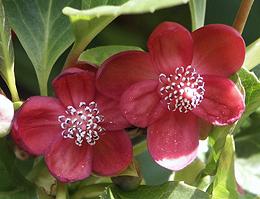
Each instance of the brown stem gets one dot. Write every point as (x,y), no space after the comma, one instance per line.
(242,14)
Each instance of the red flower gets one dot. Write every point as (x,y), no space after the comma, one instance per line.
(78,132)
(183,77)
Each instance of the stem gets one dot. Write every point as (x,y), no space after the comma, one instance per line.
(140,147)
(43,84)
(74,54)
(91,191)
(10,80)
(242,14)
(61,191)
(37,168)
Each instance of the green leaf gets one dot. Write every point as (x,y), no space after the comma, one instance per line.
(130,7)
(42,30)
(252,58)
(148,167)
(88,23)
(168,190)
(224,185)
(100,54)
(217,139)
(190,173)
(248,155)
(7,54)
(252,90)
(13,185)
(198,11)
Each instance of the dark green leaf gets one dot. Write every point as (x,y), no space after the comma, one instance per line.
(43,31)
(100,54)
(148,167)
(13,185)
(168,190)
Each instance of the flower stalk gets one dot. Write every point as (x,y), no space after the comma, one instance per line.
(10,80)
(61,191)
(242,15)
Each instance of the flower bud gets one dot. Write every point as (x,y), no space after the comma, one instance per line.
(6,115)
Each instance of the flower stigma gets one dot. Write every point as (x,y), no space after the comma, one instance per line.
(183,90)
(82,123)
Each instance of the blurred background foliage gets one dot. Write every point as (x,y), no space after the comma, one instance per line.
(134,30)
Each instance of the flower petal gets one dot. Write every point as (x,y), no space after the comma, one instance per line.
(85,66)
(110,109)
(122,70)
(223,103)
(140,103)
(75,85)
(112,153)
(173,140)
(69,162)
(218,50)
(204,128)
(36,125)
(6,115)
(170,45)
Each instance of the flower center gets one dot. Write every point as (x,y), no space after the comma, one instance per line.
(82,123)
(183,90)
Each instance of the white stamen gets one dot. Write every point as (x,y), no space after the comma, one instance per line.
(183,90)
(82,123)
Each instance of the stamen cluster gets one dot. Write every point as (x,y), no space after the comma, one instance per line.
(183,90)
(82,123)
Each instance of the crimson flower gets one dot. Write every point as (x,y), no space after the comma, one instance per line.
(78,132)
(181,83)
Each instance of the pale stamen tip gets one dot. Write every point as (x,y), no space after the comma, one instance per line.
(187,92)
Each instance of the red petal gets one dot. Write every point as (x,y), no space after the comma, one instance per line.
(170,45)
(112,153)
(85,66)
(36,125)
(110,109)
(74,85)
(140,103)
(173,140)
(204,128)
(122,70)
(218,50)
(69,162)
(223,103)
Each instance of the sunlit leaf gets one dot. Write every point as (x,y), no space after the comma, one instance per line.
(198,11)
(252,55)
(224,185)
(87,23)
(100,54)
